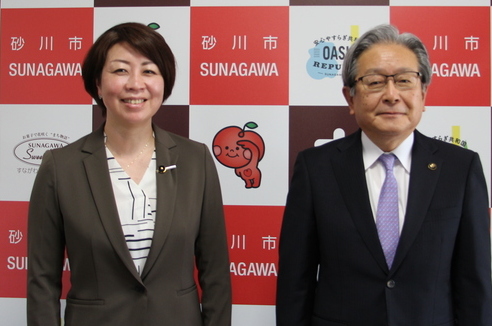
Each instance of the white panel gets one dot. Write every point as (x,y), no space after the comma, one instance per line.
(311,23)
(22,128)
(174,26)
(249,315)
(273,124)
(13,311)
(474,128)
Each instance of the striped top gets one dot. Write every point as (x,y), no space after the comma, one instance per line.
(136,208)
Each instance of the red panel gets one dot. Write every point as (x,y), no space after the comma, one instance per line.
(41,55)
(458,41)
(253,234)
(239,55)
(13,251)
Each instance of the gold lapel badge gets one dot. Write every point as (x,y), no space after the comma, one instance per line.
(432,166)
(163,169)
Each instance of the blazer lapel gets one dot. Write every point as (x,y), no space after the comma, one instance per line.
(96,168)
(424,174)
(349,171)
(167,155)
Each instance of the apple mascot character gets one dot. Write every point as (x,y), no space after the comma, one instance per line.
(241,150)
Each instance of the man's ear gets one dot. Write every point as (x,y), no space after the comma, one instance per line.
(424,95)
(349,98)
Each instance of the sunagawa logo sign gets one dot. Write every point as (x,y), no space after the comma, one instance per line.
(34,145)
(326,57)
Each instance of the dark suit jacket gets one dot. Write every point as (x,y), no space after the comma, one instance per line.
(441,272)
(72,206)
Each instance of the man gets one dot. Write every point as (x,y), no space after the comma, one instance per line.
(343,260)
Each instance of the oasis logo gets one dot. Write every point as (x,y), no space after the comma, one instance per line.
(326,58)
(455,137)
(453,140)
(31,151)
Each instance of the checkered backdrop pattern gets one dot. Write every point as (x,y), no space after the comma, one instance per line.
(269,68)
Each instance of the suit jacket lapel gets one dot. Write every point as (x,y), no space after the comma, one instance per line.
(167,154)
(423,180)
(349,171)
(96,168)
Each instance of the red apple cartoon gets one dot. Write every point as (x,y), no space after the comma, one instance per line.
(241,150)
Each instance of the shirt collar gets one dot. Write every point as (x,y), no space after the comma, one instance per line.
(371,152)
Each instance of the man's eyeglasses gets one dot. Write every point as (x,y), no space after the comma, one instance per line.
(403,81)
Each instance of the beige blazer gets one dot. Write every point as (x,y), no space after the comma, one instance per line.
(72,208)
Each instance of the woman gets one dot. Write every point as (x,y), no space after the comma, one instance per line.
(135,207)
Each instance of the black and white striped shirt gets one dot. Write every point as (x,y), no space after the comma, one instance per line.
(136,208)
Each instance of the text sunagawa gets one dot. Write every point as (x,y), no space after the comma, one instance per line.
(241,69)
(456,70)
(48,145)
(253,269)
(20,263)
(45,69)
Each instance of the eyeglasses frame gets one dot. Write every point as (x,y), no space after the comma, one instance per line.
(419,75)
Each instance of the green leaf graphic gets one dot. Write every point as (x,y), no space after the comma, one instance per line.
(154,26)
(251,125)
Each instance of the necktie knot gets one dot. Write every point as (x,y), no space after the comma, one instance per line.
(388,160)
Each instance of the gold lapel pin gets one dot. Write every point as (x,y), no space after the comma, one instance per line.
(432,166)
(163,169)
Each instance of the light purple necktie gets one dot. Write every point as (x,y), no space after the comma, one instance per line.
(387,212)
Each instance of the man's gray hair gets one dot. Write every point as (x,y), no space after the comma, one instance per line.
(385,34)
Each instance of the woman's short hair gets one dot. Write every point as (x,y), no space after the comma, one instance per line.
(139,37)
(386,34)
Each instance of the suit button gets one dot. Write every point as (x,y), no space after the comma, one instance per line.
(390,284)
